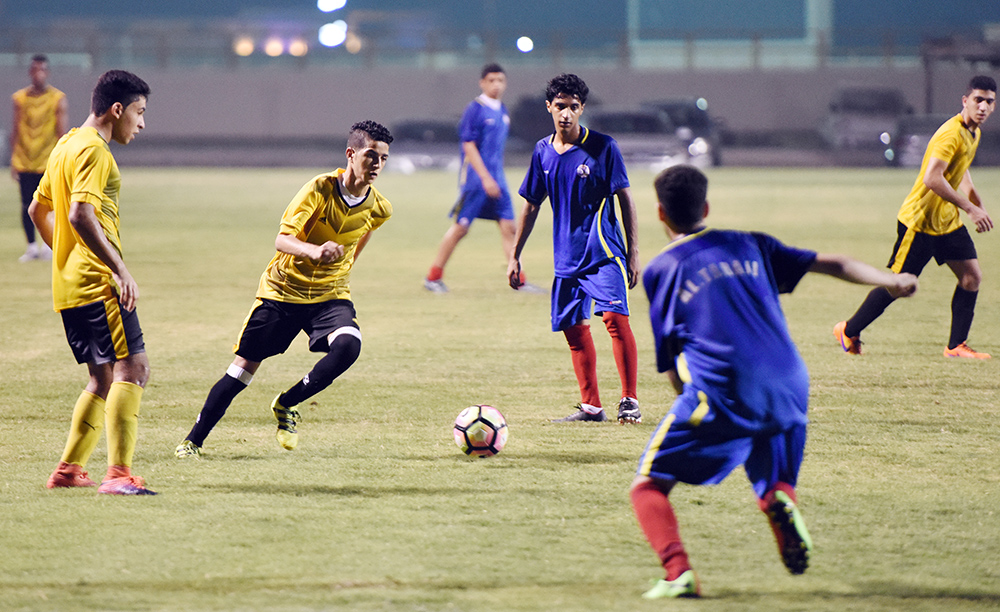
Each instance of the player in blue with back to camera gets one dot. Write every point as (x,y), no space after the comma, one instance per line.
(742,387)
(582,172)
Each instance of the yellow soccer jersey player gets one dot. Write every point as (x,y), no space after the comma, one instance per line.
(319,213)
(305,287)
(925,211)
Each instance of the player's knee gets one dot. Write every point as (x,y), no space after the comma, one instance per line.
(615,322)
(345,343)
(970,281)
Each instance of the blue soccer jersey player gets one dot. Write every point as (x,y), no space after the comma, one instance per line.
(483,192)
(581,172)
(743,389)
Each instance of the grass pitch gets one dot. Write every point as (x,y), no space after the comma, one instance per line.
(378,510)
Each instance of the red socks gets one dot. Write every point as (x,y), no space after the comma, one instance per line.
(435,273)
(581,346)
(626,354)
(656,517)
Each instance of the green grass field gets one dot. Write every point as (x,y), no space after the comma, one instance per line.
(378,510)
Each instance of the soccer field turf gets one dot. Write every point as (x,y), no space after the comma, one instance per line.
(378,510)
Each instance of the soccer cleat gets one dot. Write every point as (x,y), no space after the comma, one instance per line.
(31,253)
(69,475)
(582,415)
(685,585)
(851,346)
(628,411)
(963,350)
(288,436)
(187,448)
(794,543)
(121,481)
(435,286)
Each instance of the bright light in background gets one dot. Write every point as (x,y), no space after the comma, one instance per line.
(243,46)
(298,47)
(525,44)
(274,47)
(328,6)
(702,103)
(333,34)
(353,44)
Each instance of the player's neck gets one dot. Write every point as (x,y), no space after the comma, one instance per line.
(37,91)
(104,128)
(353,184)
(563,140)
(969,123)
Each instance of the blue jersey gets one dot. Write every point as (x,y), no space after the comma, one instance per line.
(580,185)
(487,127)
(718,321)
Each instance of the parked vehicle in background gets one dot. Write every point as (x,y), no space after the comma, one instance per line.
(906,143)
(860,115)
(645,136)
(423,144)
(693,125)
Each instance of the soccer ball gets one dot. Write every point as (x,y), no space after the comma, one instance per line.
(480,431)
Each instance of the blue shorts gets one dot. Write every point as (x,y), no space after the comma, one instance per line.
(271,326)
(102,332)
(701,454)
(475,204)
(605,289)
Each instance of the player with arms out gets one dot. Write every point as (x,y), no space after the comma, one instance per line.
(39,118)
(929,224)
(721,337)
(483,192)
(306,287)
(582,172)
(76,212)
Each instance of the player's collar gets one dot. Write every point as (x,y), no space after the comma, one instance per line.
(489,102)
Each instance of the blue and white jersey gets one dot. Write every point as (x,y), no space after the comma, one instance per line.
(717,320)
(486,123)
(580,185)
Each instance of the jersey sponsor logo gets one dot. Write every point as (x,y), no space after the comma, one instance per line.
(714,271)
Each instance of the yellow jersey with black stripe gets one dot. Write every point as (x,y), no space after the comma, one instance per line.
(925,211)
(80,169)
(36,129)
(318,213)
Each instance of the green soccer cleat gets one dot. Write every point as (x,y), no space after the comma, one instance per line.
(685,585)
(288,436)
(186,449)
(794,542)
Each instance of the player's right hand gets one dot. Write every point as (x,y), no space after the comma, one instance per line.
(128,290)
(906,285)
(328,251)
(514,273)
(982,219)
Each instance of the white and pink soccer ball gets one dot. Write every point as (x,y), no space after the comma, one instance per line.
(480,431)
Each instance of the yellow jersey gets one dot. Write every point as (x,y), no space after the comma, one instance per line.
(925,211)
(317,214)
(36,130)
(80,169)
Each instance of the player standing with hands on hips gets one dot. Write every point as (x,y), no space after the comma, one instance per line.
(306,287)
(582,172)
(721,337)
(76,212)
(928,224)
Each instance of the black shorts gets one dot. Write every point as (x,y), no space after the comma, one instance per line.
(914,249)
(102,332)
(271,326)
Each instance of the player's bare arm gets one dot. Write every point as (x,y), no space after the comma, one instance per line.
(525,223)
(361,244)
(318,253)
(490,185)
(44,219)
(627,205)
(62,118)
(854,271)
(83,218)
(15,123)
(935,181)
(675,381)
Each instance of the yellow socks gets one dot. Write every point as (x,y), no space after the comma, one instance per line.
(122,418)
(85,432)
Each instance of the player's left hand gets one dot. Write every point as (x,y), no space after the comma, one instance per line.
(514,273)
(906,285)
(982,219)
(634,270)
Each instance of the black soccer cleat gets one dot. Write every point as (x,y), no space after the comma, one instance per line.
(582,415)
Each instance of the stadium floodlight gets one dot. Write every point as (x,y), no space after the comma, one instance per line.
(298,47)
(525,44)
(333,34)
(243,46)
(274,47)
(328,6)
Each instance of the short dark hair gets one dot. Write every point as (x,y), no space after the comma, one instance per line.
(982,82)
(40,58)
(682,192)
(490,69)
(117,86)
(568,85)
(363,131)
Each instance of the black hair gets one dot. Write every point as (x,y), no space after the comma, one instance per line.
(362,131)
(490,69)
(40,57)
(682,192)
(568,85)
(982,82)
(117,86)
